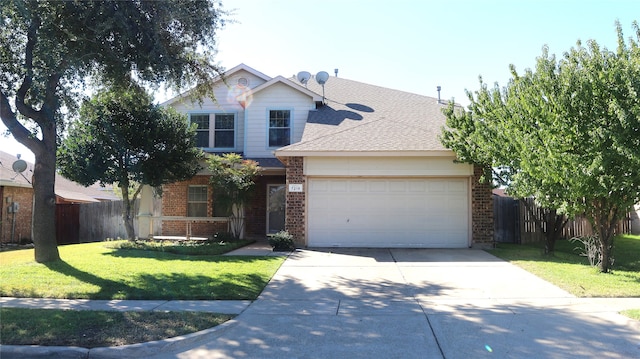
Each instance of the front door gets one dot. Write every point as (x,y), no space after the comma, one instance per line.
(276,196)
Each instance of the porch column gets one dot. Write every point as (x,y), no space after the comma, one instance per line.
(145,213)
(295,201)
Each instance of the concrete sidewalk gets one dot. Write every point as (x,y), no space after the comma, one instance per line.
(212,306)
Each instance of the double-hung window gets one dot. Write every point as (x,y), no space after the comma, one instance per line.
(197,201)
(224,135)
(202,131)
(279,128)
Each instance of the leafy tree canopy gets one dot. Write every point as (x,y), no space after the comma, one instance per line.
(48,49)
(567,132)
(122,137)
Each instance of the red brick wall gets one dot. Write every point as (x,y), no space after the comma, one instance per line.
(481,210)
(24,197)
(174,203)
(295,206)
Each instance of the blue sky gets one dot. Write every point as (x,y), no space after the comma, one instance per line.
(408,45)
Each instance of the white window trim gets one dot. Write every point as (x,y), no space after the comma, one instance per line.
(209,130)
(268,117)
(212,124)
(206,201)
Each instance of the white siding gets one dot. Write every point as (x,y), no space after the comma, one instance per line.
(275,97)
(225,102)
(256,114)
(385,166)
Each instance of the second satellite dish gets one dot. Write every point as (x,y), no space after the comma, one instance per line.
(322,77)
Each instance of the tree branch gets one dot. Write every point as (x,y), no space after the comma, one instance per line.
(137,192)
(21,105)
(19,132)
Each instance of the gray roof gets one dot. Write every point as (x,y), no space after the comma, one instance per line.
(264,162)
(359,117)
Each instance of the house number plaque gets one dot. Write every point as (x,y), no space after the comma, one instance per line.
(295,187)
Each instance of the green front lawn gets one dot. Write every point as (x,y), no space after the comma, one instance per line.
(101,271)
(571,272)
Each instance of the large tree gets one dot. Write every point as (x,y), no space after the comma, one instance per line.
(50,48)
(122,138)
(567,133)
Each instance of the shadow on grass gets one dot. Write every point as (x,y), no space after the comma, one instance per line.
(168,256)
(170,286)
(109,289)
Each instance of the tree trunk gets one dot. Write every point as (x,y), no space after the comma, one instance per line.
(555,224)
(604,218)
(43,221)
(126,212)
(236,221)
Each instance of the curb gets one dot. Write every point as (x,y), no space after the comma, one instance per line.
(139,350)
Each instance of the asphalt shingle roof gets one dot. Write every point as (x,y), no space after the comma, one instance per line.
(359,117)
(64,188)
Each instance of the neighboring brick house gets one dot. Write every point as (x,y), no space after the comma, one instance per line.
(348,164)
(16,192)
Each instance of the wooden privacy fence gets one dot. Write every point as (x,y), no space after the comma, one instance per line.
(93,222)
(514,223)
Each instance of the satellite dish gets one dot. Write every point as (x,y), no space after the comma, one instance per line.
(19,166)
(322,77)
(303,77)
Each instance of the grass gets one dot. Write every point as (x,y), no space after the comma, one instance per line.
(123,270)
(571,272)
(103,271)
(632,313)
(90,329)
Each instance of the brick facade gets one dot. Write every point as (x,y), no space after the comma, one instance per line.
(174,203)
(295,206)
(481,210)
(22,230)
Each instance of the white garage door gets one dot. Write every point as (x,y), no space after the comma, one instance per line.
(413,213)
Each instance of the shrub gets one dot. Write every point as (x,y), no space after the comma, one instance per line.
(223,237)
(591,249)
(282,241)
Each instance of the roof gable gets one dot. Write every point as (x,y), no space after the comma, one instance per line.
(291,84)
(227,74)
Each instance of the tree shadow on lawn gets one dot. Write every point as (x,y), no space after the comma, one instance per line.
(167,256)
(109,289)
(171,286)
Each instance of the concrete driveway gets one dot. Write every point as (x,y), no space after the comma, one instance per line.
(412,303)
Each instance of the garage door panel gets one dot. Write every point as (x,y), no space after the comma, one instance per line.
(429,213)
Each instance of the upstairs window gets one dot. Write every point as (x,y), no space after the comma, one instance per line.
(202,131)
(224,135)
(197,201)
(279,128)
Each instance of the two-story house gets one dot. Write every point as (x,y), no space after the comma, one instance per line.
(345,164)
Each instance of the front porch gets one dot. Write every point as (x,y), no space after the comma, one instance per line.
(264,214)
